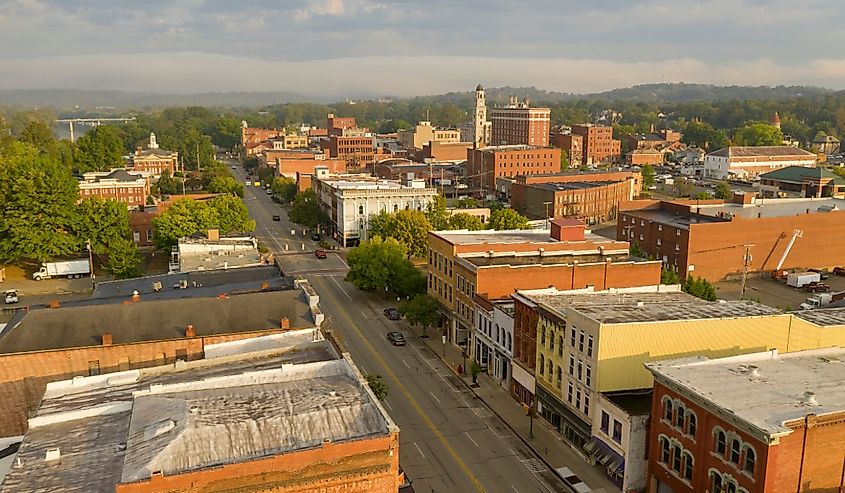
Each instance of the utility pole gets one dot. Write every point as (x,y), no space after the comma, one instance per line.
(199,168)
(90,261)
(547,204)
(746,261)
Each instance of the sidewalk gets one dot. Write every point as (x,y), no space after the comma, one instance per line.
(547,443)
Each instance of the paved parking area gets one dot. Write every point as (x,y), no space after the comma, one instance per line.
(773,293)
(293,264)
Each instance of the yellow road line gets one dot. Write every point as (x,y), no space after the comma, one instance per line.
(410,399)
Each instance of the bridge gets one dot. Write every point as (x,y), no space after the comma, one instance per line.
(93,121)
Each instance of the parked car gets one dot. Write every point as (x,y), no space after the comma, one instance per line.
(269,192)
(277,217)
(392,314)
(820,272)
(839,271)
(320,253)
(316,237)
(11,296)
(396,338)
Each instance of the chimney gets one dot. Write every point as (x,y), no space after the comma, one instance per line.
(55,304)
(107,339)
(810,398)
(753,371)
(285,323)
(135,296)
(213,234)
(189,331)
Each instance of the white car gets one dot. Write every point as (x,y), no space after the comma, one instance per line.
(11,296)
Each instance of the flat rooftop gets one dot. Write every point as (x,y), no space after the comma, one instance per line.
(123,427)
(637,305)
(149,320)
(634,402)
(574,185)
(548,258)
(824,317)
(466,237)
(772,395)
(775,207)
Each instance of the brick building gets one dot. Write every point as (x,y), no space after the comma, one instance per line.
(154,161)
(750,161)
(519,124)
(762,422)
(141,229)
(337,125)
(285,414)
(589,201)
(495,263)
(439,151)
(486,164)
(654,139)
(571,144)
(598,146)
(252,135)
(424,133)
(118,184)
(289,162)
(708,238)
(52,344)
(356,151)
(641,157)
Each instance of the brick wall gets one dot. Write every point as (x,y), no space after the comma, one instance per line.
(24,376)
(366,465)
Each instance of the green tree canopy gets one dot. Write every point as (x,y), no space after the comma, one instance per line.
(648,175)
(723,190)
(422,310)
(704,135)
(503,219)
(759,134)
(700,288)
(284,187)
(167,185)
(100,149)
(306,209)
(378,386)
(462,220)
(102,222)
(37,205)
(232,215)
(226,184)
(123,259)
(408,227)
(437,214)
(186,217)
(376,264)
(39,135)
(669,277)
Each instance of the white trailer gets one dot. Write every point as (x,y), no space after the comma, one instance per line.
(801,279)
(70,269)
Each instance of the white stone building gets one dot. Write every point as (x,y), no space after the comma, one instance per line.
(748,162)
(492,345)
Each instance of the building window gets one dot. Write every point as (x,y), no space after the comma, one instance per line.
(543,336)
(691,424)
(586,403)
(688,466)
(360,209)
(542,363)
(572,337)
(735,448)
(509,341)
(551,369)
(560,346)
(588,376)
(667,410)
(590,346)
(750,460)
(559,375)
(580,369)
(676,459)
(617,431)
(679,418)
(578,399)
(571,365)
(664,450)
(581,342)
(715,482)
(605,422)
(720,442)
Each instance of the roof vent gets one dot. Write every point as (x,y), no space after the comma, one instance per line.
(810,398)
(333,393)
(753,371)
(52,454)
(194,409)
(640,303)
(120,447)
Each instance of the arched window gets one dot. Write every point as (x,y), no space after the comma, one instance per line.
(691,424)
(559,375)
(688,466)
(750,461)
(667,409)
(360,209)
(551,369)
(509,341)
(715,482)
(720,442)
(560,345)
(551,342)
(731,487)
(679,418)
(543,336)
(664,450)
(735,448)
(676,459)
(542,364)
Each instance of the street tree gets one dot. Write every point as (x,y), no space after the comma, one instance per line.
(99,150)
(422,310)
(167,185)
(183,218)
(284,188)
(437,214)
(406,280)
(306,209)
(123,259)
(231,214)
(378,386)
(375,263)
(723,190)
(408,227)
(648,176)
(101,222)
(668,276)
(462,220)
(503,219)
(758,134)
(37,205)
(226,184)
(704,135)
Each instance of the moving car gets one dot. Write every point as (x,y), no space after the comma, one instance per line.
(269,192)
(320,253)
(11,296)
(392,314)
(277,217)
(316,237)
(396,338)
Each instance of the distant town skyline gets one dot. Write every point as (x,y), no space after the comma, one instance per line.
(352,48)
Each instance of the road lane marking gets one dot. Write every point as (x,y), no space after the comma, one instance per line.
(435,397)
(388,405)
(344,292)
(470,439)
(514,488)
(500,437)
(406,364)
(457,459)
(419,450)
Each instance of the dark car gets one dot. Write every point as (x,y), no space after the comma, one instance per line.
(396,338)
(839,271)
(320,253)
(316,237)
(392,313)
(277,217)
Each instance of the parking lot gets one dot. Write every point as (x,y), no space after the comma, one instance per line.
(764,289)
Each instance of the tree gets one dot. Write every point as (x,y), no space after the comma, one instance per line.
(38,134)
(648,176)
(378,386)
(408,227)
(306,209)
(705,136)
(564,160)
(684,187)
(226,184)
(284,187)
(37,205)
(232,214)
(123,259)
(508,219)
(166,184)
(375,264)
(421,310)
(701,196)
(474,370)
(406,280)
(723,190)
(187,217)
(759,134)
(669,277)
(437,214)
(100,149)
(467,203)
(462,220)
(102,222)
(635,250)
(700,288)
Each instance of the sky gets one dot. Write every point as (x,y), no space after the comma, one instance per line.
(355,48)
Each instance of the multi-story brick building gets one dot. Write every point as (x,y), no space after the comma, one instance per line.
(763,422)
(252,135)
(300,418)
(748,162)
(709,238)
(570,143)
(654,139)
(589,201)
(486,164)
(337,125)
(290,162)
(598,146)
(519,124)
(438,151)
(495,263)
(154,161)
(118,184)
(424,133)
(356,151)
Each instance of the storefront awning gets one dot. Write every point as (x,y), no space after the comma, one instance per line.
(605,455)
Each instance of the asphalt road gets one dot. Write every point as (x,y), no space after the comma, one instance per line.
(449,440)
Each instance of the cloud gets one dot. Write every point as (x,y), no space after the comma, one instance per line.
(320,7)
